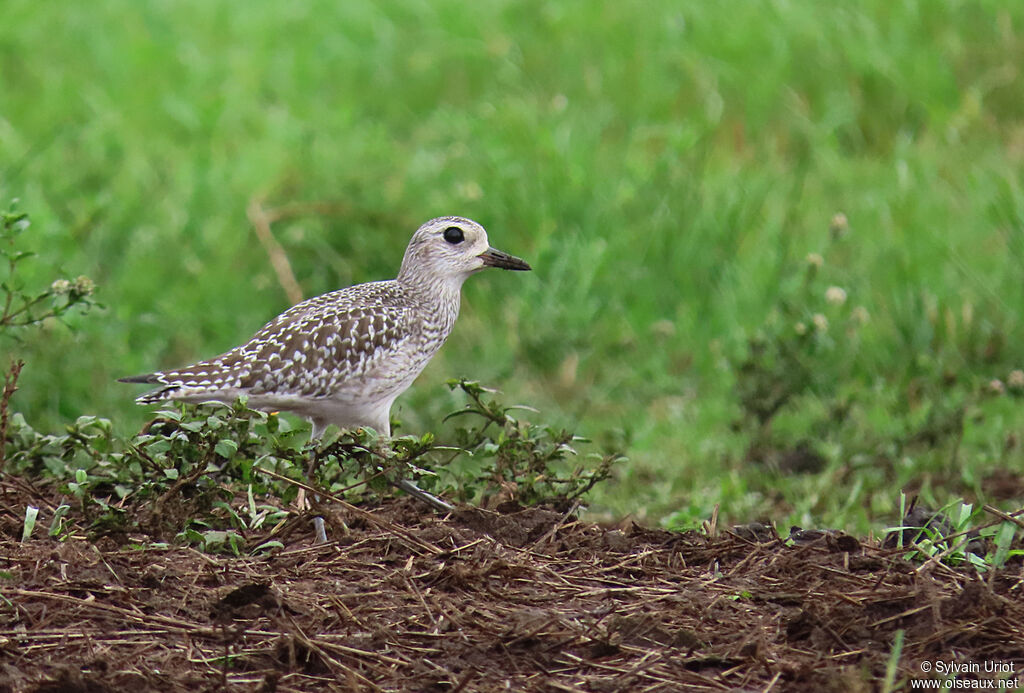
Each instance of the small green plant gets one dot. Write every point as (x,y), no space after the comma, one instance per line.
(516,459)
(893,663)
(23,307)
(1002,541)
(957,534)
(199,534)
(29,525)
(945,535)
(194,472)
(806,346)
(186,461)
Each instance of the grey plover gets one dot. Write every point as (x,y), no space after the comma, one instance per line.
(344,357)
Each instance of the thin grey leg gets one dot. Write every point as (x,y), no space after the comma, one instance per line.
(411,488)
(403,484)
(416,492)
(320,529)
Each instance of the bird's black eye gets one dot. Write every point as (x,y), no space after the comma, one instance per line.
(453,234)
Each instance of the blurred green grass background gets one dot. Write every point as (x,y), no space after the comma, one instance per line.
(666,167)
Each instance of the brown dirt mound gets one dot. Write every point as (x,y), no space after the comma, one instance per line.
(530,600)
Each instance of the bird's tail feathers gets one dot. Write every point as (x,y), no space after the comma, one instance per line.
(147,378)
(159,395)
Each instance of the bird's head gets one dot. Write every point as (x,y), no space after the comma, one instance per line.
(450,249)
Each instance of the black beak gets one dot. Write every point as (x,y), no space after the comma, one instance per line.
(493,257)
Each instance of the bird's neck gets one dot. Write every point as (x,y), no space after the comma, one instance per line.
(440,295)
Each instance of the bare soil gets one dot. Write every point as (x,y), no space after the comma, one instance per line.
(513,599)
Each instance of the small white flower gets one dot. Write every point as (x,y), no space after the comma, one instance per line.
(84,286)
(839,225)
(1016,379)
(861,315)
(996,387)
(835,295)
(800,328)
(815,261)
(60,286)
(820,322)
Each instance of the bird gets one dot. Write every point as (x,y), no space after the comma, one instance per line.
(344,357)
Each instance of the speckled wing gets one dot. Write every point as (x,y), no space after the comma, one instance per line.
(317,348)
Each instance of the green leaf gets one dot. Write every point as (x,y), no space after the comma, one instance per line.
(252,502)
(267,547)
(892,666)
(29,525)
(58,517)
(158,446)
(1003,541)
(226,448)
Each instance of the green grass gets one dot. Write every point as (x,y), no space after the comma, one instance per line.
(666,167)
